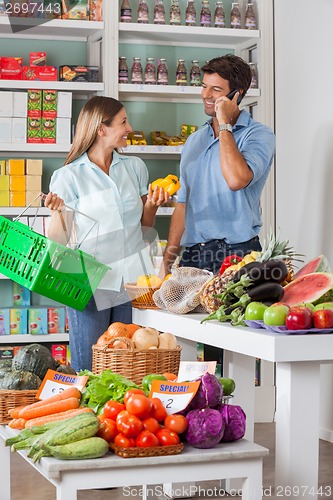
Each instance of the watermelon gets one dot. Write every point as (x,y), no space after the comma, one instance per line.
(312,287)
(317,265)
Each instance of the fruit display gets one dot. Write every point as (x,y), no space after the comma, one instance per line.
(313,287)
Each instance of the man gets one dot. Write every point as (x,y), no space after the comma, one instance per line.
(223,169)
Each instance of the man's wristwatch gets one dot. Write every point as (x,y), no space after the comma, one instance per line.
(225,126)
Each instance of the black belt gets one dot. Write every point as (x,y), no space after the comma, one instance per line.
(222,242)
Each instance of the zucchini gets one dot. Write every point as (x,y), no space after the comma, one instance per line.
(266,292)
(274,270)
(92,447)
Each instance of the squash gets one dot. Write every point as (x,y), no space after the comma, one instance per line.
(34,358)
(66,369)
(5,367)
(20,380)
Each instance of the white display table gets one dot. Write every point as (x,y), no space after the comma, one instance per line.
(297,358)
(228,460)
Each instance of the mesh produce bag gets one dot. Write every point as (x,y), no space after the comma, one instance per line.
(180,293)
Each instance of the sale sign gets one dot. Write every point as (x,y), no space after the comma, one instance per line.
(175,396)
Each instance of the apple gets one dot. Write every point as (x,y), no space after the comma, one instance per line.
(275,315)
(255,311)
(299,318)
(323,318)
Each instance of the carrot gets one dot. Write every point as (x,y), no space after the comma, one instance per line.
(32,411)
(170,376)
(71,392)
(56,416)
(14,412)
(17,423)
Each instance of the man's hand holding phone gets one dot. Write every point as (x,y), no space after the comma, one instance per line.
(226,107)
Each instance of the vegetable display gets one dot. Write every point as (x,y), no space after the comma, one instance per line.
(205,427)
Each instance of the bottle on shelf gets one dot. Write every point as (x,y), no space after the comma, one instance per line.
(175,14)
(250,17)
(143,12)
(254,80)
(181,72)
(162,72)
(190,14)
(150,71)
(123,70)
(159,12)
(235,16)
(219,15)
(195,74)
(125,12)
(136,74)
(205,14)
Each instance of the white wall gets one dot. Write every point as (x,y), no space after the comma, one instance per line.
(304,131)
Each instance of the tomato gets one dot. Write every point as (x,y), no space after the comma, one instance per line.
(112,408)
(151,424)
(176,423)
(130,393)
(129,425)
(145,439)
(139,405)
(158,410)
(166,437)
(255,311)
(107,429)
(123,441)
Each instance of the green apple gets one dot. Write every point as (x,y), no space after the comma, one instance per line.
(255,310)
(228,385)
(276,314)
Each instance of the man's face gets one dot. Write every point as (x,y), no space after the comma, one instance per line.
(213,86)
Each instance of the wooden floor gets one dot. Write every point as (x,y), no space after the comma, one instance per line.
(27,484)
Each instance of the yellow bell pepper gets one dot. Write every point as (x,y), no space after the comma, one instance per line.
(170,184)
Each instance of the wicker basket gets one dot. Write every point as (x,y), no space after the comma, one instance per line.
(141,296)
(151,451)
(134,364)
(12,399)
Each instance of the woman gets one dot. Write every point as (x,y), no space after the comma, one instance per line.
(112,189)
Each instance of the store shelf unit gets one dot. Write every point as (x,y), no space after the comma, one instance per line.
(28,338)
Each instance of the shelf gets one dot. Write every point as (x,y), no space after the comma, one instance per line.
(54,29)
(150,151)
(15,211)
(27,338)
(184,35)
(21,150)
(82,87)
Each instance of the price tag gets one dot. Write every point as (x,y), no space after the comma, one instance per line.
(56,382)
(192,370)
(175,396)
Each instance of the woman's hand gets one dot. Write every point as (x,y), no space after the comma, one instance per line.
(156,197)
(53,201)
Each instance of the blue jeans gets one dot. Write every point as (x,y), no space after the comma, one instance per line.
(211,254)
(86,326)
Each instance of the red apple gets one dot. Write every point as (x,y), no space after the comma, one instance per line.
(299,318)
(323,318)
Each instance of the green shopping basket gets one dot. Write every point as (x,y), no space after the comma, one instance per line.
(43,266)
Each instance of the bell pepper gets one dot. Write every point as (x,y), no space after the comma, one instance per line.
(230,260)
(170,184)
(148,380)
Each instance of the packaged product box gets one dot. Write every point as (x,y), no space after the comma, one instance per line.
(17,182)
(21,295)
(20,104)
(4,182)
(63,131)
(2,167)
(58,351)
(72,73)
(33,182)
(5,129)
(75,9)
(4,198)
(37,59)
(56,319)
(34,129)
(15,167)
(35,103)
(37,320)
(96,10)
(49,104)
(11,68)
(32,199)
(49,130)
(6,103)
(137,137)
(4,321)
(7,352)
(64,105)
(18,320)
(19,130)
(17,198)
(46,73)
(33,167)
(68,355)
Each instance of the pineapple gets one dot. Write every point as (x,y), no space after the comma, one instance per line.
(272,249)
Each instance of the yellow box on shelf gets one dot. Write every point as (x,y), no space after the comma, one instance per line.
(15,167)
(4,182)
(4,198)
(34,167)
(16,182)
(17,199)
(2,167)
(33,183)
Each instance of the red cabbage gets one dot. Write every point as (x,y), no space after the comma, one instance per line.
(235,422)
(210,393)
(205,428)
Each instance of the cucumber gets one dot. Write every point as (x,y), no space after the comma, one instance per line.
(92,447)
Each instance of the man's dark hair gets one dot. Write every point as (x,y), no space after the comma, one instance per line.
(231,68)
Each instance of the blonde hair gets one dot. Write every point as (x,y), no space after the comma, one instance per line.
(99,109)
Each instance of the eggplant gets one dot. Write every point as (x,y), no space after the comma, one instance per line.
(274,270)
(266,292)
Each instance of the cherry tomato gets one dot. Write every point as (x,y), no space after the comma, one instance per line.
(158,411)
(112,408)
(130,393)
(167,437)
(123,441)
(129,425)
(145,439)
(176,423)
(151,424)
(107,429)
(139,405)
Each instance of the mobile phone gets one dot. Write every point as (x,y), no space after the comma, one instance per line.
(232,93)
